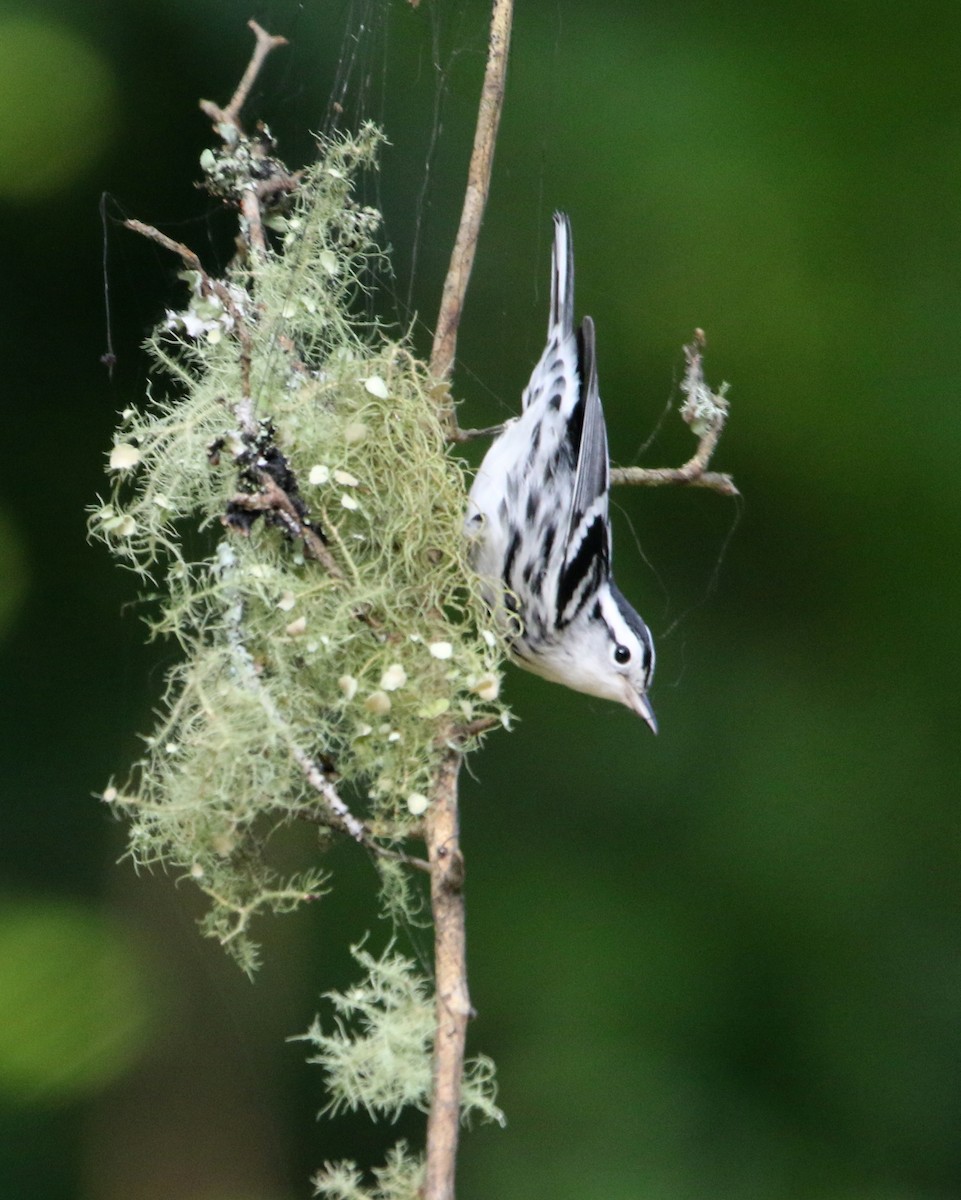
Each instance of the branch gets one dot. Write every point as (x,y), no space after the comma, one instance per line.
(450,969)
(475,197)
(442,833)
(705,411)
(247,673)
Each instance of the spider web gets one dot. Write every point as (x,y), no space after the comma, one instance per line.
(397,64)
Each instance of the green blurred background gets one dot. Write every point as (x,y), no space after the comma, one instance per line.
(725,962)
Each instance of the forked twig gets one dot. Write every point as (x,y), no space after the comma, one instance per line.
(264,44)
(227,124)
(705,411)
(690,474)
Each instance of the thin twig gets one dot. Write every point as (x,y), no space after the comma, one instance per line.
(686,476)
(244,406)
(253,220)
(409,860)
(475,197)
(231,114)
(450,970)
(250,678)
(190,259)
(459,734)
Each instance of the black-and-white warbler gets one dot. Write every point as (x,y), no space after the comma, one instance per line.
(538,519)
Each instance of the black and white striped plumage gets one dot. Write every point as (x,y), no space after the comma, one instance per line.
(538,519)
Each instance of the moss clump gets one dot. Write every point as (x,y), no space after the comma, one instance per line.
(291,496)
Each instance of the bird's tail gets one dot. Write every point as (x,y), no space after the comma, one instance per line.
(562,276)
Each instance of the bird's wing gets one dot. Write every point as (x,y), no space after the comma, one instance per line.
(588,547)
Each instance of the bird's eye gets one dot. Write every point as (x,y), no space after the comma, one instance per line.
(621,655)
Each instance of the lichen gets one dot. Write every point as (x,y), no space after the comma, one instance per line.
(377,1055)
(360,664)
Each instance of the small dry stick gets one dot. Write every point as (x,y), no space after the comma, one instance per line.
(475,197)
(688,475)
(450,970)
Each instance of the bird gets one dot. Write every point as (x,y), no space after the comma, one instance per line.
(538,525)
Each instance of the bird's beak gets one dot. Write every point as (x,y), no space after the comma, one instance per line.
(641,705)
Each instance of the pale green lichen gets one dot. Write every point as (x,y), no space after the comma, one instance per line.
(361,673)
(401,1178)
(378,1054)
